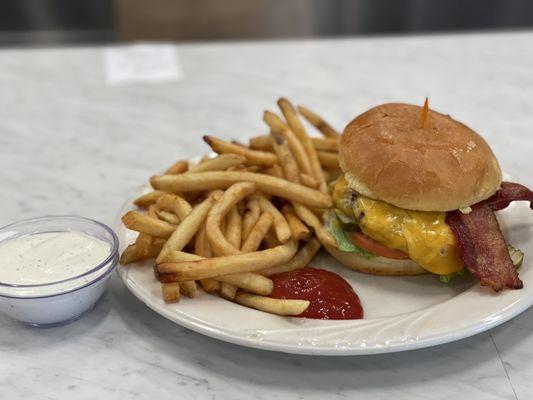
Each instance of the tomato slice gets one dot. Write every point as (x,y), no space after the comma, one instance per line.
(376,248)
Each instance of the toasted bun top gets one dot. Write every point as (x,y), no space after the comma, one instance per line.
(387,155)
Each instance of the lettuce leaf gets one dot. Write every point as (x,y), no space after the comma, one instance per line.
(344,242)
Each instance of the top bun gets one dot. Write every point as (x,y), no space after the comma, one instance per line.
(387,155)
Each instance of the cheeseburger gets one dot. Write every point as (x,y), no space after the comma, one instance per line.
(418,194)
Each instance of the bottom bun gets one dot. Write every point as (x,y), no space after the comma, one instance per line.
(376,265)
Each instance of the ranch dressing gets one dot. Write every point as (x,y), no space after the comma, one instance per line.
(49,257)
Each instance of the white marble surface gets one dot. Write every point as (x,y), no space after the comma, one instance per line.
(70,143)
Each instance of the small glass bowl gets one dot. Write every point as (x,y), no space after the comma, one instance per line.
(63,301)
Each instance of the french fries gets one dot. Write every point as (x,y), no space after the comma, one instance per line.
(219,244)
(229,222)
(225,265)
(318,122)
(251,156)
(272,306)
(224,179)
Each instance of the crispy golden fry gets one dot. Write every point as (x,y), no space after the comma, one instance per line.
(176,256)
(252,156)
(171,292)
(249,281)
(309,181)
(250,217)
(234,227)
(143,223)
(227,291)
(188,227)
(283,231)
(264,143)
(148,199)
(210,285)
(276,171)
(189,289)
(178,167)
(258,233)
(296,126)
(271,240)
(286,159)
(310,219)
(219,163)
(144,242)
(245,262)
(297,148)
(270,305)
(175,204)
(219,244)
(318,122)
(223,179)
(328,160)
(169,217)
(300,260)
(134,253)
(298,229)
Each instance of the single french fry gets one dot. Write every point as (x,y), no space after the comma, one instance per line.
(270,305)
(328,160)
(297,148)
(298,229)
(310,219)
(175,204)
(249,281)
(144,243)
(178,167)
(169,217)
(234,227)
(219,163)
(258,233)
(283,231)
(189,289)
(210,285)
(251,156)
(134,253)
(227,291)
(224,179)
(309,181)
(318,122)
(219,244)
(300,260)
(171,292)
(263,142)
(143,223)
(296,126)
(188,227)
(225,265)
(285,157)
(250,217)
(148,199)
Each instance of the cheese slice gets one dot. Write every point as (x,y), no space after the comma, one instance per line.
(423,235)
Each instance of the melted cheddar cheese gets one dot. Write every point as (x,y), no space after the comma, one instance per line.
(423,235)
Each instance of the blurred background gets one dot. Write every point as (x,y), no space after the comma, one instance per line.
(63,22)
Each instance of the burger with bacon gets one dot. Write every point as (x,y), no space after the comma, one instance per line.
(418,194)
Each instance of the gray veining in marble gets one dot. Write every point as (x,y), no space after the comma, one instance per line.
(70,143)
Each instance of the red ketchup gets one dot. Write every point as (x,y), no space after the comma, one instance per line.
(331,296)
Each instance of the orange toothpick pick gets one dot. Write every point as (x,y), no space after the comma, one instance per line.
(425,112)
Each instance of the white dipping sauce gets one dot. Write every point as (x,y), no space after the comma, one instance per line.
(49,257)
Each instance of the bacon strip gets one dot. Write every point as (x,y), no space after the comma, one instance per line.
(509,192)
(482,247)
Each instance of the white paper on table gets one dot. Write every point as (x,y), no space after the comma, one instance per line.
(141,63)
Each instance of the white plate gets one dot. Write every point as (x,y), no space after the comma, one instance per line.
(401,313)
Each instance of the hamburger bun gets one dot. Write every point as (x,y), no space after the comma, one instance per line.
(387,155)
(377,265)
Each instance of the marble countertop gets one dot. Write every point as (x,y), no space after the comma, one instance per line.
(73,144)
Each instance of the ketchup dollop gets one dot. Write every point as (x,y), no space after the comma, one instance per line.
(330,296)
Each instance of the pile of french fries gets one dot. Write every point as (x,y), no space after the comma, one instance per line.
(231,221)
